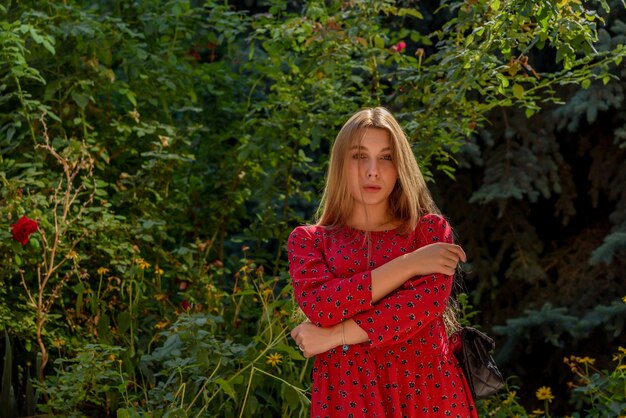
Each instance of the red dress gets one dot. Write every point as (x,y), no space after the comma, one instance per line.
(406,369)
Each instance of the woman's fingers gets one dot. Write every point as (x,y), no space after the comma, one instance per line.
(311,339)
(461,253)
(451,252)
(456,251)
(439,257)
(299,336)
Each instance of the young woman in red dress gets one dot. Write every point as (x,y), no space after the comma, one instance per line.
(374,276)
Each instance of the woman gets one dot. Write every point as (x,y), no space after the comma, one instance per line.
(373,277)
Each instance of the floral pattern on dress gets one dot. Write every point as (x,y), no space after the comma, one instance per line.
(406,368)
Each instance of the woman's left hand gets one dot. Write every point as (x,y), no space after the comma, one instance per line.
(313,340)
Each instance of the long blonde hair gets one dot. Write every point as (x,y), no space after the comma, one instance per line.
(410,198)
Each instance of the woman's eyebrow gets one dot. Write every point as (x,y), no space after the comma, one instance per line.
(365,148)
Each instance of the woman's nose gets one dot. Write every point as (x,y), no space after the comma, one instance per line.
(371,171)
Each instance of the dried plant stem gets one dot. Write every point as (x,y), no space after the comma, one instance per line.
(64,197)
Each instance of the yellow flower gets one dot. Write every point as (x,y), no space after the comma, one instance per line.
(58,342)
(134,115)
(102,271)
(275,359)
(586,360)
(544,393)
(162,324)
(622,350)
(143,264)
(509,397)
(621,368)
(111,357)
(72,255)
(624,299)
(158,271)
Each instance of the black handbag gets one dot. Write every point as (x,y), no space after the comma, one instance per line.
(472,349)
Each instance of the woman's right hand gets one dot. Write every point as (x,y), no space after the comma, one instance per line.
(439,257)
(313,340)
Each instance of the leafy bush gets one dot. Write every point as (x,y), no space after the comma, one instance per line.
(165,150)
(93,379)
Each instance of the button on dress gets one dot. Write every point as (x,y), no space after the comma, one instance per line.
(406,369)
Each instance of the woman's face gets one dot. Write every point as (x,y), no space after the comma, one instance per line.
(370,169)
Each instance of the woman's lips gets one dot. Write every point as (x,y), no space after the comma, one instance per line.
(372,188)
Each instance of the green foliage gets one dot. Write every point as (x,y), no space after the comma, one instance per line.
(7,396)
(200,363)
(504,404)
(158,143)
(600,392)
(556,324)
(92,379)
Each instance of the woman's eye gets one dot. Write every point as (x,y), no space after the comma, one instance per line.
(387,158)
(359,156)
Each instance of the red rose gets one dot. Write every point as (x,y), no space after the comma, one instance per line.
(22,229)
(186,305)
(399,47)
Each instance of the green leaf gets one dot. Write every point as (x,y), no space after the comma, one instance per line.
(124,321)
(79,289)
(103,329)
(36,37)
(379,42)
(17,247)
(504,82)
(49,45)
(80,98)
(412,12)
(125,413)
(518,91)
(175,413)
(34,243)
(226,387)
(564,52)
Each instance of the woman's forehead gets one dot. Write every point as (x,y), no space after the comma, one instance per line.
(371,138)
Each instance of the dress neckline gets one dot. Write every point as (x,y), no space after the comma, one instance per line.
(374,231)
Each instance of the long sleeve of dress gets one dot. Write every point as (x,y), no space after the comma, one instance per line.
(325,299)
(419,301)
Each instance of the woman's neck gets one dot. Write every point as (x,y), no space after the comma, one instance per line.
(372,219)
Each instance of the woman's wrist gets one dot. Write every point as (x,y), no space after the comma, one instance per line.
(336,335)
(392,275)
(408,264)
(353,333)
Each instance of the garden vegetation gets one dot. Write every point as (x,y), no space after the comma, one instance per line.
(154,156)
